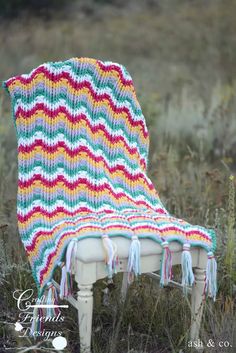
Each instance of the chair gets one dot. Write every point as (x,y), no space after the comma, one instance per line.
(84,195)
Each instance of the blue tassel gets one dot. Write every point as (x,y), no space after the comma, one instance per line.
(166,265)
(187,271)
(211,276)
(134,259)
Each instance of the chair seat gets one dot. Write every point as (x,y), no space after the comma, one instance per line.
(91,249)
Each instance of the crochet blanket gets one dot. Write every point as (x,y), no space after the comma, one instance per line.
(82,172)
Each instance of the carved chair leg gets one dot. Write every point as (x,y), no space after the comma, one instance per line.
(85,314)
(197,302)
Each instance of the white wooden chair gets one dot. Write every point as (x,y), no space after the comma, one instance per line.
(88,267)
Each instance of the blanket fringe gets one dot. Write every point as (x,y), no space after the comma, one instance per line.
(66,272)
(187,271)
(36,324)
(52,299)
(38,312)
(166,265)
(134,259)
(211,276)
(111,258)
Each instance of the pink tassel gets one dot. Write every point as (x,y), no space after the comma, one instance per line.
(166,265)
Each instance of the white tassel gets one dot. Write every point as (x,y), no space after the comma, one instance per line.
(211,276)
(110,254)
(187,271)
(134,259)
(69,254)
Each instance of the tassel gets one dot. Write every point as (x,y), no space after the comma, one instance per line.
(134,259)
(66,272)
(115,260)
(211,276)
(63,284)
(69,255)
(187,271)
(37,324)
(166,265)
(52,299)
(110,254)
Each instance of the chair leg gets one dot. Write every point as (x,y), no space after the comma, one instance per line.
(85,314)
(197,302)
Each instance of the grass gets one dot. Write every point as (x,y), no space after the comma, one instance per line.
(181,55)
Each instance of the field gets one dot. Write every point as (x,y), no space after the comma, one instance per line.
(181,55)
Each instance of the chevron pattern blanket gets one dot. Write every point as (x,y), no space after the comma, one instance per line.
(82,170)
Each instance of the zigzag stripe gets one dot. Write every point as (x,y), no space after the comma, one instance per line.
(47,69)
(48,215)
(68,88)
(34,224)
(66,149)
(82,184)
(98,130)
(66,93)
(73,159)
(31,166)
(116,175)
(108,198)
(86,95)
(70,205)
(161,227)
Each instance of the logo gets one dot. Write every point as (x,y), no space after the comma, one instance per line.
(34,313)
